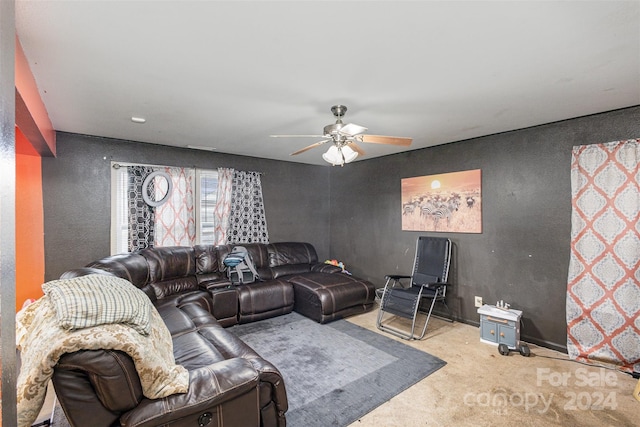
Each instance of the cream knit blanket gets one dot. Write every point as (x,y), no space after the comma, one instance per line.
(42,342)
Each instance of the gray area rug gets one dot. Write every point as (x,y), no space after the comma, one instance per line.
(334,373)
(337,372)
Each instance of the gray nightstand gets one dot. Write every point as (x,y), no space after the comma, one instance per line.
(498,326)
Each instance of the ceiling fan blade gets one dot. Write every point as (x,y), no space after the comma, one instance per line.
(297,136)
(393,140)
(309,147)
(355,147)
(351,129)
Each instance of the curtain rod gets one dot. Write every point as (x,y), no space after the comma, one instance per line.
(117,165)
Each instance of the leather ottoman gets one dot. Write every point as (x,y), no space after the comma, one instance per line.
(324,297)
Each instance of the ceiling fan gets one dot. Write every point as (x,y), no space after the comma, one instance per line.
(345,138)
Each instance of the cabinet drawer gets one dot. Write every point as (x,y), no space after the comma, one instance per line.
(498,320)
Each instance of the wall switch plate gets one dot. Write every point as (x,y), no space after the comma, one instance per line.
(478,301)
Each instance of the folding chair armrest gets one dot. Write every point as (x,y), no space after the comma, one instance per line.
(435,285)
(396,277)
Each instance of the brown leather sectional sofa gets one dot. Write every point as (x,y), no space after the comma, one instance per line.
(230,384)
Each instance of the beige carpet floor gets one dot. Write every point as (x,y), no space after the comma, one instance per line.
(479,387)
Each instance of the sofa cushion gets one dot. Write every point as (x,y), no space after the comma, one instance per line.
(176,286)
(206,257)
(198,339)
(169,262)
(98,299)
(286,253)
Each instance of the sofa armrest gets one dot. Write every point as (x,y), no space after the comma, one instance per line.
(200,298)
(322,267)
(84,271)
(269,374)
(213,285)
(209,386)
(289,270)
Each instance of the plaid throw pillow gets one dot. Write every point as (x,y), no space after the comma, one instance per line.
(98,299)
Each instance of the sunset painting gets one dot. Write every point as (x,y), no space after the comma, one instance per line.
(449,202)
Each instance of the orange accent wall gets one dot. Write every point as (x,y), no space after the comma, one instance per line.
(28,89)
(35,137)
(29,222)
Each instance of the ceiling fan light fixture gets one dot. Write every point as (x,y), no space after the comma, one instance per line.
(338,156)
(333,156)
(349,154)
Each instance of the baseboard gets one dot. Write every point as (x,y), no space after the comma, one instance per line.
(546,344)
(523,337)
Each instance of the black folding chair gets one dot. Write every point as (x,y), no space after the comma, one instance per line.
(428,281)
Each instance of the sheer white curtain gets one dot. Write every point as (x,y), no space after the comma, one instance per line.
(603,290)
(175,219)
(223,205)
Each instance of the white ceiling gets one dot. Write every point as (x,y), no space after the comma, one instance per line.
(227,74)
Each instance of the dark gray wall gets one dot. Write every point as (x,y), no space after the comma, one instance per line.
(522,255)
(353,213)
(77,196)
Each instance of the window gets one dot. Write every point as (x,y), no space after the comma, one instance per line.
(119,218)
(207,189)
(204,190)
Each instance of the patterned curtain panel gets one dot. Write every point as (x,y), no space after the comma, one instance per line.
(603,291)
(247,222)
(141,216)
(175,219)
(222,210)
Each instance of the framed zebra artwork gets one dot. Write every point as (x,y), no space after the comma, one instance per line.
(448,202)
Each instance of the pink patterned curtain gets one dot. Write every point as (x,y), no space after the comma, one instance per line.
(222,211)
(175,219)
(603,290)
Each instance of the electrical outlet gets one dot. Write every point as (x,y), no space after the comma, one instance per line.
(478,301)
